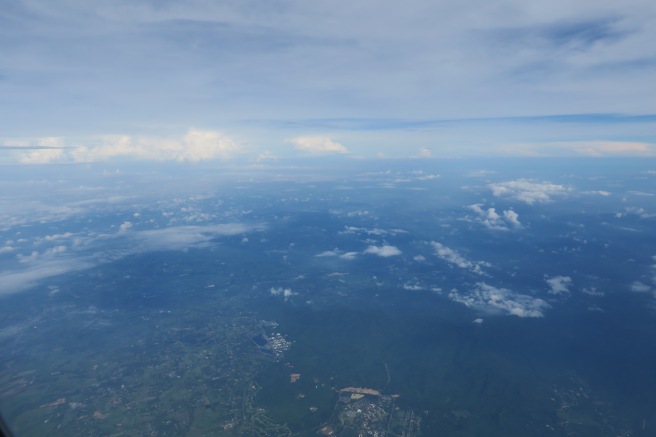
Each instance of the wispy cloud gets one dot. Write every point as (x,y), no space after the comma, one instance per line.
(182,237)
(60,259)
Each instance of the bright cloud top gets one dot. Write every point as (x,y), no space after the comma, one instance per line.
(384,251)
(484,297)
(317,145)
(528,191)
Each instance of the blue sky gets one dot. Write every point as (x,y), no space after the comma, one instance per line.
(254,81)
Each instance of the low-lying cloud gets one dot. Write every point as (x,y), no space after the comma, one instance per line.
(495,221)
(484,297)
(527,191)
(453,257)
(384,251)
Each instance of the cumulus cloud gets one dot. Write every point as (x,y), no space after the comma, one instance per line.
(528,191)
(317,145)
(196,145)
(203,145)
(125,226)
(384,251)
(559,284)
(42,156)
(492,220)
(453,257)
(425,152)
(484,297)
(286,293)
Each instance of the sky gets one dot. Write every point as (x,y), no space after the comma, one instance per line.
(251,81)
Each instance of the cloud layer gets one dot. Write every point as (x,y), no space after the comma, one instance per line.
(196,145)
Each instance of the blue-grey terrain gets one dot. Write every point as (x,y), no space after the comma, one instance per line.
(330,297)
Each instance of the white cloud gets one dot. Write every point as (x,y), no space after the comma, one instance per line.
(512,217)
(492,220)
(419,258)
(425,152)
(559,284)
(477,321)
(487,298)
(203,145)
(317,145)
(592,291)
(49,149)
(640,287)
(337,253)
(60,259)
(384,251)
(453,257)
(15,281)
(54,237)
(374,231)
(42,156)
(527,191)
(125,226)
(196,145)
(413,287)
(182,237)
(286,293)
